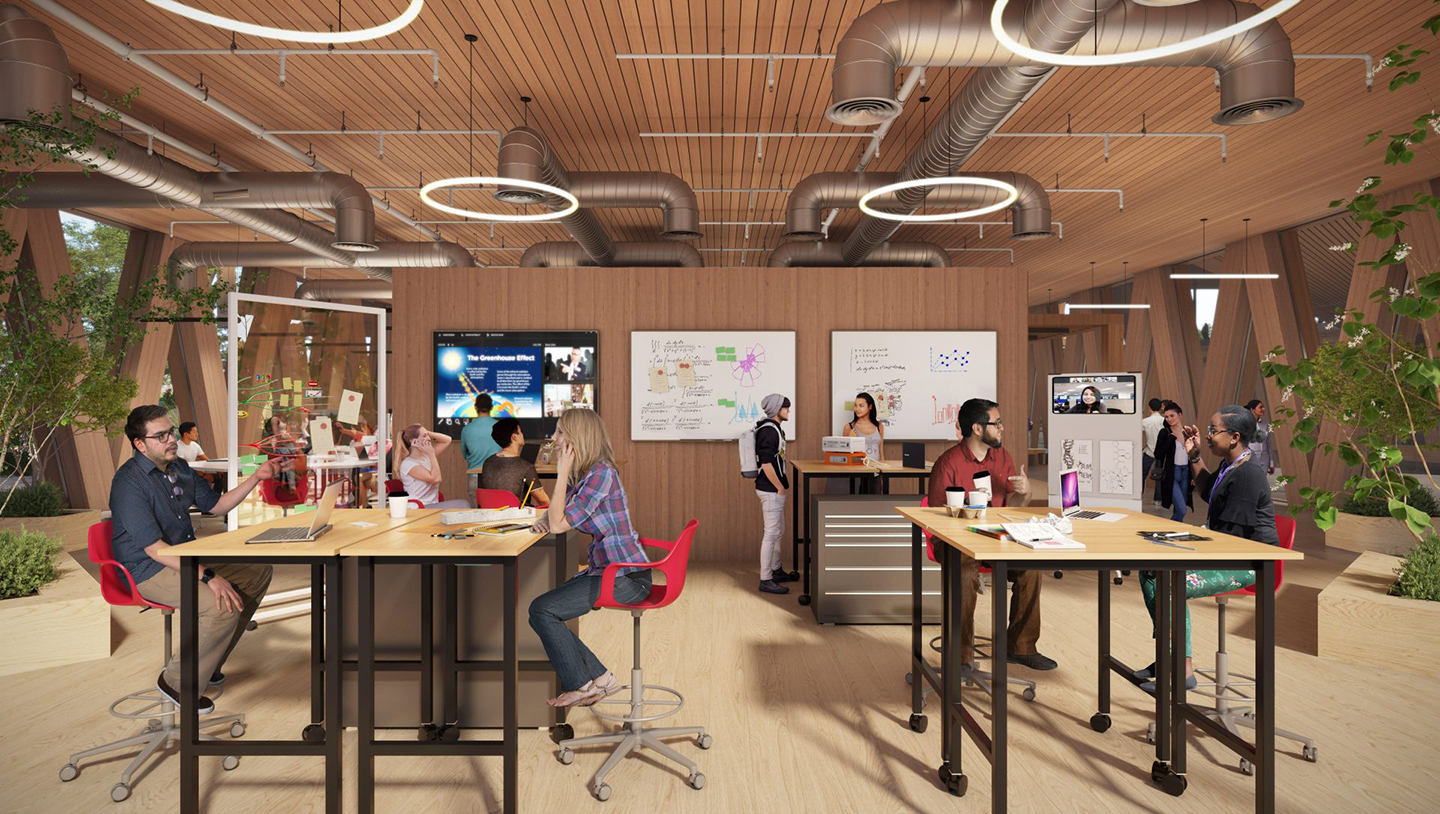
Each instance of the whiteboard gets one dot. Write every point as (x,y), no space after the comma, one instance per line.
(706,385)
(919,379)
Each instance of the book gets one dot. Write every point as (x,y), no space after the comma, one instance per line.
(1053,544)
(996,530)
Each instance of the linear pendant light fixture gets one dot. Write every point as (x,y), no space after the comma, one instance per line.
(241,27)
(1225,276)
(1082,60)
(1067,307)
(493,180)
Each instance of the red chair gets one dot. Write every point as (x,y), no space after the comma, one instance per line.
(270,493)
(393,487)
(980,679)
(633,735)
(159,712)
(1224,686)
(496,499)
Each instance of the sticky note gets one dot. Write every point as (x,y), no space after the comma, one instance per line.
(349,412)
(285,383)
(849,407)
(685,374)
(659,382)
(284,400)
(298,386)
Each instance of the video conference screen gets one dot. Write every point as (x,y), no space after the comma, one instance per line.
(1093,395)
(530,375)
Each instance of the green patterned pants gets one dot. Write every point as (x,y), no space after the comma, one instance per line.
(1197,584)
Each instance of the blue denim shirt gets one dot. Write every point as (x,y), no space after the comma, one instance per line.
(147,506)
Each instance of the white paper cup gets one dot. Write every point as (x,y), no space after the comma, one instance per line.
(955,498)
(398,507)
(977,499)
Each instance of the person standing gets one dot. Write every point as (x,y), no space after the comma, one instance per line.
(476,440)
(150,499)
(865,423)
(771,487)
(1262,448)
(981,433)
(1150,435)
(1172,473)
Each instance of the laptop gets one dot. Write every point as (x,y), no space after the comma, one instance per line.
(530,452)
(304,534)
(1070,500)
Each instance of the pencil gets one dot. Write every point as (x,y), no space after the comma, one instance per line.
(525,499)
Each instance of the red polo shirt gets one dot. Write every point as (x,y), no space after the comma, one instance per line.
(956,466)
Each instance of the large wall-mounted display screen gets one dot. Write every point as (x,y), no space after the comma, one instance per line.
(529,375)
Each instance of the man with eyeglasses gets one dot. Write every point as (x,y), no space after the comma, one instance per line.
(980,454)
(150,499)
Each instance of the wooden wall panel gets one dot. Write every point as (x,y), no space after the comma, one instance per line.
(671,482)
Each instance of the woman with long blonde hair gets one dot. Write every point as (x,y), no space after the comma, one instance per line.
(588,498)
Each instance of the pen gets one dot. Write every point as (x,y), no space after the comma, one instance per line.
(1172,545)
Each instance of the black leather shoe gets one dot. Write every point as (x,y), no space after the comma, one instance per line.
(217,679)
(784,576)
(205,705)
(1190,683)
(769,587)
(1034,661)
(1146,673)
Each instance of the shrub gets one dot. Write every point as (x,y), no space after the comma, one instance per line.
(1419,572)
(1376,504)
(36,500)
(27,562)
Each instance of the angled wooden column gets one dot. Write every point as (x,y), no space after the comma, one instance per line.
(14,221)
(1168,328)
(198,376)
(1423,235)
(263,348)
(1276,323)
(1190,340)
(1042,364)
(143,360)
(1229,335)
(1293,273)
(1139,350)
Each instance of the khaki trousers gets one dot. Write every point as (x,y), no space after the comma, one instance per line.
(219,630)
(1023,632)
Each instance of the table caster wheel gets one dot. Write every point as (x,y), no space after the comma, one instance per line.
(427,733)
(1247,768)
(1150,734)
(237,730)
(602,792)
(956,784)
(1119,580)
(918,722)
(909,678)
(152,724)
(450,734)
(794,575)
(229,763)
(1100,722)
(1059,574)
(1171,783)
(696,781)
(562,732)
(566,757)
(704,741)
(1310,753)
(1029,694)
(119,792)
(804,599)
(313,733)
(69,772)
(251,625)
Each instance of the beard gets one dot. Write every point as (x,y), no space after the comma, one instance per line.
(991,441)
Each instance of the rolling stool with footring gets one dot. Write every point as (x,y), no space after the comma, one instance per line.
(162,725)
(980,679)
(1223,686)
(634,735)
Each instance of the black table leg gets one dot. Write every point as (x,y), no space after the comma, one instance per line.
(427,651)
(1162,671)
(511,690)
(952,663)
(1101,720)
(917,629)
(450,719)
(809,526)
(1265,686)
(317,649)
(794,521)
(999,695)
(563,570)
(1178,695)
(334,674)
(189,682)
(365,678)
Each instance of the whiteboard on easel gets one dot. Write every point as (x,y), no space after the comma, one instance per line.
(918,379)
(706,385)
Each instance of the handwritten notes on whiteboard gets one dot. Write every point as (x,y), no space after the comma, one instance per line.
(706,385)
(918,379)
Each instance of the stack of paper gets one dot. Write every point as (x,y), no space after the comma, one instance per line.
(1040,536)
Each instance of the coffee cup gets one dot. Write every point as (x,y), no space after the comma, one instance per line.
(954,497)
(977,499)
(398,507)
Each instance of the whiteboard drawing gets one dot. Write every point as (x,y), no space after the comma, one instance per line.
(954,360)
(706,385)
(1077,454)
(922,376)
(747,369)
(1117,467)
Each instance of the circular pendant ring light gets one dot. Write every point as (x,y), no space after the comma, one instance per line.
(474,180)
(1081,60)
(1011,195)
(331,37)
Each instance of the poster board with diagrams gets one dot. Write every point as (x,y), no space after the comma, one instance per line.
(1104,445)
(918,379)
(706,385)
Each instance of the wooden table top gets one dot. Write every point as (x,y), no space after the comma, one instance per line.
(815,467)
(1103,541)
(423,545)
(341,536)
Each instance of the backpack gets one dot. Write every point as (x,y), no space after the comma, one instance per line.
(749,465)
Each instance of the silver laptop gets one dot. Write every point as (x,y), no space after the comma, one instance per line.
(304,534)
(1070,500)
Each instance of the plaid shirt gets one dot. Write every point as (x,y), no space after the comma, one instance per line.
(148,505)
(596,506)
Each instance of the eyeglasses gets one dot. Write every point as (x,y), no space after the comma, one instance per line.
(167,435)
(1209,431)
(992,423)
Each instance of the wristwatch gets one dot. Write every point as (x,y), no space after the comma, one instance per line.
(206,575)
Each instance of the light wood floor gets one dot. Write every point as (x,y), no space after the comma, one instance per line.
(806,718)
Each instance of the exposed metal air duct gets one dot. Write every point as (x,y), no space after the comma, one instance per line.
(424,254)
(1256,67)
(345,290)
(558,254)
(843,189)
(825,253)
(525,154)
(605,190)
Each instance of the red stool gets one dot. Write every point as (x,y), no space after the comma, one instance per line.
(394,488)
(118,588)
(495,499)
(634,735)
(1224,686)
(270,494)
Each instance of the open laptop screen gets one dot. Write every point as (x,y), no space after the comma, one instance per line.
(1069,490)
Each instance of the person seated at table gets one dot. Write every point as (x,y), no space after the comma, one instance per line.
(590,499)
(357,435)
(506,470)
(281,444)
(420,468)
(980,430)
(190,451)
(150,499)
(1238,493)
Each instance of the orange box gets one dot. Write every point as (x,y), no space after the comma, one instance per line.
(845,458)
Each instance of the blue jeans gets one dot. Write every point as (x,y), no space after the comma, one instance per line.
(572,660)
(1179,490)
